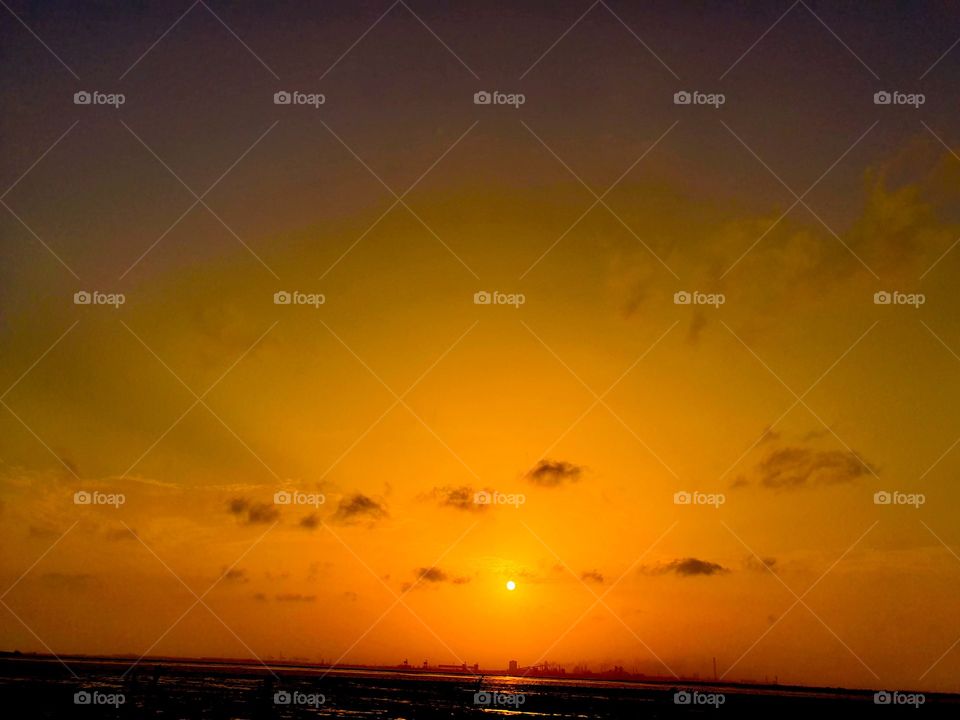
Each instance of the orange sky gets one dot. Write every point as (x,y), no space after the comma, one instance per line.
(399,398)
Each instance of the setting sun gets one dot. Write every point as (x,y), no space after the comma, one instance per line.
(511,585)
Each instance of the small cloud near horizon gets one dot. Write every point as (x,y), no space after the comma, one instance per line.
(458,498)
(553,473)
(688,567)
(357,507)
(253,513)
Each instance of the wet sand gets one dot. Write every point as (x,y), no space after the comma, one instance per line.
(46,689)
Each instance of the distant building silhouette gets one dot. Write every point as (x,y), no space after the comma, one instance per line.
(513,666)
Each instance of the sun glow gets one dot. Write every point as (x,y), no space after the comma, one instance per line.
(511,585)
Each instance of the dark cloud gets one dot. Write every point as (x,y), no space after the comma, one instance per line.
(234,575)
(762,564)
(262,513)
(795,466)
(459,498)
(550,473)
(433,574)
(295,597)
(260,596)
(592,576)
(253,513)
(688,567)
(238,506)
(358,507)
(310,522)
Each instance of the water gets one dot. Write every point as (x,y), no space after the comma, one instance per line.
(218,691)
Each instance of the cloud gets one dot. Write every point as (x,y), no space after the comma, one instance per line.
(549,473)
(796,466)
(688,567)
(434,575)
(762,564)
(294,597)
(592,576)
(253,513)
(459,498)
(357,507)
(907,220)
(234,575)
(310,522)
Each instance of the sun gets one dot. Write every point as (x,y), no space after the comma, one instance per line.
(511,585)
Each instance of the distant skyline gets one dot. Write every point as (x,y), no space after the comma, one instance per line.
(319,379)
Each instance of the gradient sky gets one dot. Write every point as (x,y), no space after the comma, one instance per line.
(399,398)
